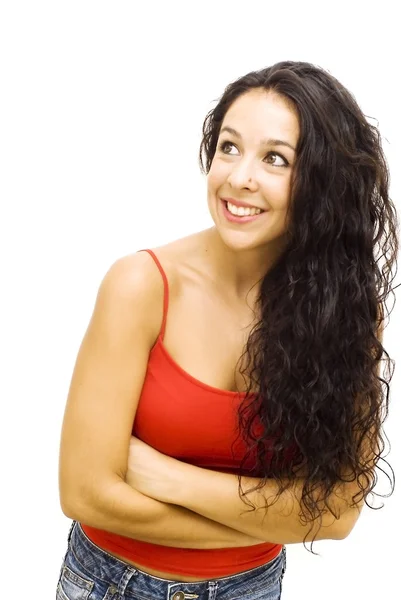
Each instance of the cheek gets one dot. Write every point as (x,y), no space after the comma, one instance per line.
(277,190)
(216,176)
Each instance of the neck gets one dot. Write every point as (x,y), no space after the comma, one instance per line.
(238,271)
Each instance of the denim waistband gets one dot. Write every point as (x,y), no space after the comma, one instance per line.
(101,565)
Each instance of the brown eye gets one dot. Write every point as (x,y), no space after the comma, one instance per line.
(225,147)
(275,154)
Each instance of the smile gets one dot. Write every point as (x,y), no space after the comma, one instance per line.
(240,214)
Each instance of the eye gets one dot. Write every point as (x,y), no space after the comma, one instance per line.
(286,163)
(225,147)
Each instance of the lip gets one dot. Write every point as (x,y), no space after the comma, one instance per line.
(244,204)
(234,219)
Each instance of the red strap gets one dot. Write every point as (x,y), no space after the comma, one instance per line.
(166,291)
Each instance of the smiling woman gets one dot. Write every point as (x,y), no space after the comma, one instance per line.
(239,366)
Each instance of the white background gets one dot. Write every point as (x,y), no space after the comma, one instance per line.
(101,111)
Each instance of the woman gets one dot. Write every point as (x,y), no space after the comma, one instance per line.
(237,368)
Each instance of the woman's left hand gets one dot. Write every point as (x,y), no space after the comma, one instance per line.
(152,473)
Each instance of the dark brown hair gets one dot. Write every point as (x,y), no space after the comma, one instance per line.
(314,355)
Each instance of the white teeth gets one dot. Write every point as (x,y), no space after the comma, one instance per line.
(241,211)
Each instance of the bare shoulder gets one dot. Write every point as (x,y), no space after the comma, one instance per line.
(132,286)
(131,274)
(134,280)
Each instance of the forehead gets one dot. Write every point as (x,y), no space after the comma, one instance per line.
(260,114)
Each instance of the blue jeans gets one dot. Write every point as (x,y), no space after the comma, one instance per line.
(90,573)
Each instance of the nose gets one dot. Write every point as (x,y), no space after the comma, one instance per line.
(242,176)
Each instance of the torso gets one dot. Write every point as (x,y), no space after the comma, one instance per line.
(206,330)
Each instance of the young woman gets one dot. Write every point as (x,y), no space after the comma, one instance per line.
(226,398)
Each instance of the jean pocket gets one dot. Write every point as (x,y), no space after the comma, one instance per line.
(72,586)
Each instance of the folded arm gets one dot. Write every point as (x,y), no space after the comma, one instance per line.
(215,495)
(124,511)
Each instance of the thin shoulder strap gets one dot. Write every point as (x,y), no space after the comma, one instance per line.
(166,290)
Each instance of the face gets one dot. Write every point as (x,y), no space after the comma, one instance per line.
(250,168)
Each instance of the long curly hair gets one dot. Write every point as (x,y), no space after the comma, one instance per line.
(314,355)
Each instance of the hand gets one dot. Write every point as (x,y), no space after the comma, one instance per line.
(152,473)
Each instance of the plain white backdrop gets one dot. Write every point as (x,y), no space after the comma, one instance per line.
(101,107)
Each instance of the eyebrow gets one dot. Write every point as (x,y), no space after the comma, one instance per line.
(266,142)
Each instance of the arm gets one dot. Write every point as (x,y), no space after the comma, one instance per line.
(126,512)
(101,407)
(215,495)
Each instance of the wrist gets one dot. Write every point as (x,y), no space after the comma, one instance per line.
(175,481)
(187,485)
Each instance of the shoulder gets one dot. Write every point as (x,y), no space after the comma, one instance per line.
(131,276)
(133,286)
(130,296)
(134,280)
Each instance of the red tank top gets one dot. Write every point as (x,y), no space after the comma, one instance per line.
(182,417)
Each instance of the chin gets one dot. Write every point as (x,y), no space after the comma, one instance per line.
(239,241)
